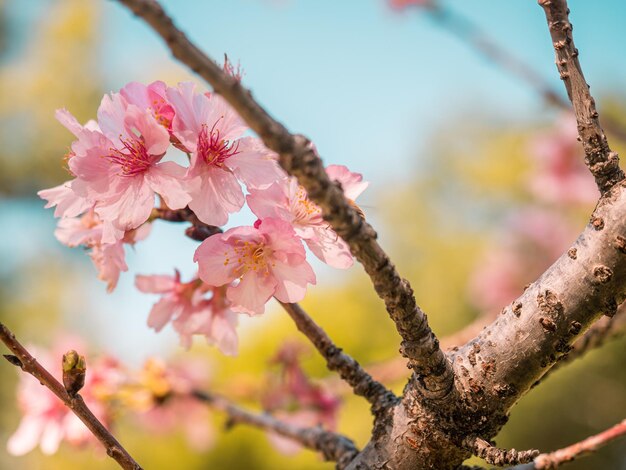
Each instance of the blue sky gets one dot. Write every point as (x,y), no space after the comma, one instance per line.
(369,86)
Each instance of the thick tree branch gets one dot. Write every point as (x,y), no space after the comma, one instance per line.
(534,331)
(591,444)
(350,370)
(298,157)
(333,446)
(23,359)
(602,162)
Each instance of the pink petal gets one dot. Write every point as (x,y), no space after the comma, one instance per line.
(330,248)
(224,333)
(167,180)
(351,183)
(154,135)
(254,164)
(215,194)
(67,202)
(51,437)
(129,204)
(161,313)
(270,202)
(214,258)
(26,437)
(155,284)
(292,280)
(252,293)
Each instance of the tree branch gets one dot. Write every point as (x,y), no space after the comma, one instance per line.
(298,157)
(333,446)
(591,444)
(472,35)
(496,456)
(198,231)
(534,331)
(349,370)
(602,162)
(23,359)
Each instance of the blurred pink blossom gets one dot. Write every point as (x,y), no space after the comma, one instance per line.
(293,398)
(559,174)
(46,420)
(532,239)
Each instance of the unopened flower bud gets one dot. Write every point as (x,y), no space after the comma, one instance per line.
(74,368)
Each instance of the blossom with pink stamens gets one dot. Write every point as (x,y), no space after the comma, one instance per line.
(193,308)
(287,200)
(267,260)
(211,131)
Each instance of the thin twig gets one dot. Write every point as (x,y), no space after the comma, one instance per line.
(591,444)
(496,456)
(350,370)
(198,231)
(472,35)
(333,446)
(297,155)
(602,162)
(23,359)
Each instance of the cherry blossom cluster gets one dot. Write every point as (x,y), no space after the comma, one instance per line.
(155,394)
(122,166)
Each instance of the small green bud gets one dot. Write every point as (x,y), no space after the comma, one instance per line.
(74,368)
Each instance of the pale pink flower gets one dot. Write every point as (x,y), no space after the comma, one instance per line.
(168,402)
(295,399)
(46,420)
(531,241)
(136,172)
(560,174)
(267,260)
(193,308)
(211,131)
(287,200)
(108,258)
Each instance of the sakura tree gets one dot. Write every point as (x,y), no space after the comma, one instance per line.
(460,389)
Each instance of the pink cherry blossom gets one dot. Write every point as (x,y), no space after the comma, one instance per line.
(292,397)
(559,174)
(194,308)
(46,420)
(267,260)
(211,131)
(108,258)
(130,166)
(287,200)
(165,400)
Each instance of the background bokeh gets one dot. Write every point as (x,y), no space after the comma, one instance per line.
(445,137)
